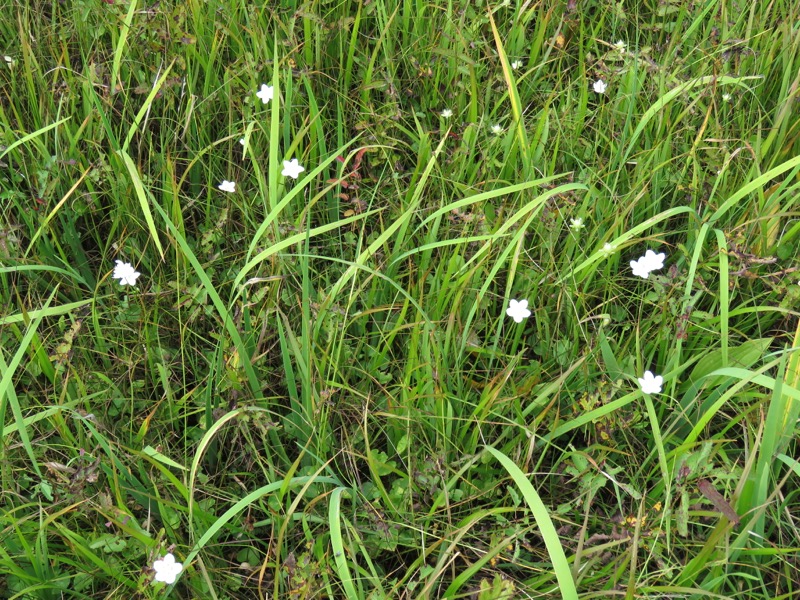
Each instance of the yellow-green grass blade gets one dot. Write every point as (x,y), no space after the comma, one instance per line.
(51,311)
(120,49)
(540,513)
(598,255)
(32,135)
(242,504)
(337,542)
(145,109)
(8,396)
(144,202)
(227,319)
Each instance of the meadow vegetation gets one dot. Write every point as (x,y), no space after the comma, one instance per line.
(317,385)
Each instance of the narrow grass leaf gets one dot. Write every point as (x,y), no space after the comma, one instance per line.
(32,135)
(540,513)
(145,109)
(144,203)
(121,42)
(8,397)
(337,542)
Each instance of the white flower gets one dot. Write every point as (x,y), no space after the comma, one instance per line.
(227,186)
(518,310)
(651,384)
(640,270)
(292,168)
(726,97)
(576,224)
(608,249)
(241,141)
(265,93)
(647,263)
(656,260)
(599,86)
(125,273)
(446,113)
(517,64)
(167,570)
(9,60)
(620,45)
(497,130)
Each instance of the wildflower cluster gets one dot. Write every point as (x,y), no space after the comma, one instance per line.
(642,267)
(291,168)
(167,568)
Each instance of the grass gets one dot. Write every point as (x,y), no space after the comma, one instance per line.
(313,390)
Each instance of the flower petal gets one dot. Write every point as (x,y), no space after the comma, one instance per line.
(292,168)
(651,384)
(518,310)
(266,93)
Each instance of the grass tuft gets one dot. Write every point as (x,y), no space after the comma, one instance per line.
(314,388)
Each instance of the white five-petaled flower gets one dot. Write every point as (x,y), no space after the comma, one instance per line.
(726,97)
(227,186)
(608,249)
(265,93)
(292,168)
(497,129)
(647,263)
(167,570)
(518,310)
(620,45)
(241,141)
(446,113)
(576,224)
(125,273)
(651,384)
(599,86)
(517,64)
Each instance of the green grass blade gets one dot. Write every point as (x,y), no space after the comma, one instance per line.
(540,513)
(7,395)
(144,203)
(121,41)
(337,542)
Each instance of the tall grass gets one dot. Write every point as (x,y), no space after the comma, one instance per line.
(314,390)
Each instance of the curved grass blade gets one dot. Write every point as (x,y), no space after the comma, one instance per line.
(542,517)
(54,311)
(32,135)
(631,233)
(244,503)
(227,319)
(751,187)
(334,516)
(143,200)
